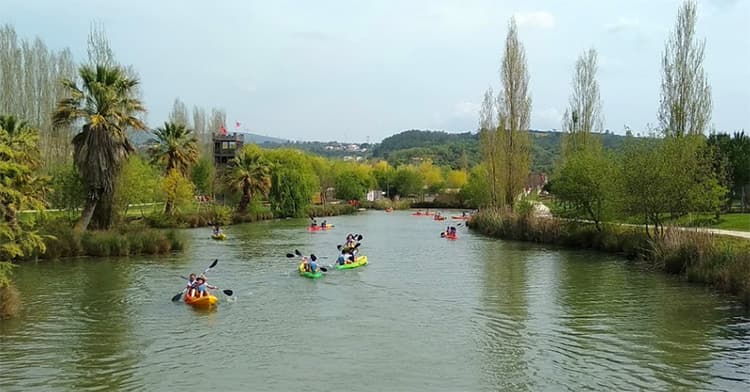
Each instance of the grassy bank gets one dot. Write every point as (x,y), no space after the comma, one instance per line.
(722,262)
(383,204)
(127,240)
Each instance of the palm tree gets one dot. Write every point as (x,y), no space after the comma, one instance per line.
(250,174)
(174,146)
(107,105)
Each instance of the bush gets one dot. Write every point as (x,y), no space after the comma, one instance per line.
(332,209)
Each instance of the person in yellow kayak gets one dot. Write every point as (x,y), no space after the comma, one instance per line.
(217,230)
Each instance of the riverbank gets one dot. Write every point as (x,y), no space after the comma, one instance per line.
(703,257)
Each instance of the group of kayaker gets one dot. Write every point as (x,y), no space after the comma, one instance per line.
(348,250)
(314,224)
(450,231)
(198,286)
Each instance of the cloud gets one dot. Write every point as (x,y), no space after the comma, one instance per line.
(538,19)
(549,118)
(466,109)
(622,24)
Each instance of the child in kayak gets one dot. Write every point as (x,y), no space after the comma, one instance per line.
(202,287)
(217,230)
(323,224)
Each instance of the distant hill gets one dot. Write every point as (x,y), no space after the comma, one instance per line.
(260,139)
(462,149)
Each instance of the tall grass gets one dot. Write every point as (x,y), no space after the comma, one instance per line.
(332,209)
(131,240)
(722,262)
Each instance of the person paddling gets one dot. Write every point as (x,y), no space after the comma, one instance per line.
(202,286)
(323,224)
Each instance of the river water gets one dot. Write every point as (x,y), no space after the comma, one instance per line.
(475,314)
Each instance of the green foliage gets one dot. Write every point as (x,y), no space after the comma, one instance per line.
(138,183)
(384,175)
(6,272)
(250,174)
(203,175)
(127,240)
(106,103)
(68,190)
(585,184)
(293,182)
(668,179)
(735,150)
(476,192)
(353,182)
(178,191)
(174,147)
(407,181)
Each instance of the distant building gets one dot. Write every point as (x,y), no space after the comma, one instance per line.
(226,147)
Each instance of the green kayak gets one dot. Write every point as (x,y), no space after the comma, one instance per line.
(307,274)
(358,262)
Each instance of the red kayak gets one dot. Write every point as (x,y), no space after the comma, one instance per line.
(319,228)
(450,236)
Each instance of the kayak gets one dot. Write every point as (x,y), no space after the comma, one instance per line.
(319,228)
(439,218)
(219,237)
(358,262)
(307,274)
(461,217)
(389,210)
(206,301)
(423,214)
(451,236)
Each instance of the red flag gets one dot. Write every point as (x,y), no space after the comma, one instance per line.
(237,124)
(223,131)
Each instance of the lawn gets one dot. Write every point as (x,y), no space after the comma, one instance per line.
(739,222)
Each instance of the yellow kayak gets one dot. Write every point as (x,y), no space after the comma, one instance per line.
(219,237)
(206,301)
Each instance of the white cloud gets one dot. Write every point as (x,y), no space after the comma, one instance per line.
(539,19)
(622,24)
(549,118)
(466,109)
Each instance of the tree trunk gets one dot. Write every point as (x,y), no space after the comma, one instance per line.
(88,212)
(168,207)
(245,201)
(104,213)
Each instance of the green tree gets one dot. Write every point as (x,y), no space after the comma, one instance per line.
(456,179)
(407,181)
(384,175)
(735,151)
(668,179)
(139,183)
(19,188)
(250,174)
(353,182)
(68,190)
(203,175)
(326,172)
(490,145)
(514,111)
(174,147)
(685,105)
(293,182)
(107,105)
(476,192)
(586,184)
(178,191)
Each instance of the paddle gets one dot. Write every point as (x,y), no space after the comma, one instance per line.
(177,297)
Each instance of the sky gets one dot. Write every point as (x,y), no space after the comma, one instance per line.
(364,70)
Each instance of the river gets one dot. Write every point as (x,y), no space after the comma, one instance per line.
(475,314)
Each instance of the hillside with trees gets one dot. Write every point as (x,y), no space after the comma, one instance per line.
(461,150)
